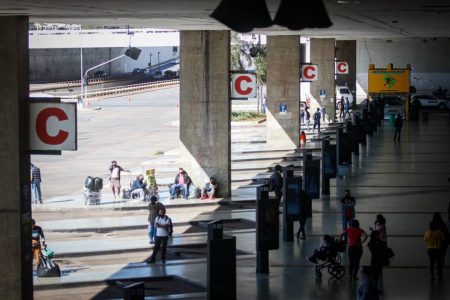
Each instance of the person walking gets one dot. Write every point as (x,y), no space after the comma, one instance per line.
(341,108)
(276,182)
(153,211)
(434,238)
(316,118)
(305,212)
(356,237)
(348,209)
(437,219)
(347,108)
(163,226)
(307,118)
(36,180)
(367,289)
(378,247)
(398,124)
(323,112)
(114,178)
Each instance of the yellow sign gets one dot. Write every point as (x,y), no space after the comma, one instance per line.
(389,80)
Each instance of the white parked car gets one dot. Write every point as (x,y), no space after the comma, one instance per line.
(430,101)
(343,91)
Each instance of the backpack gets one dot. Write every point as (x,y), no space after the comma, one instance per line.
(197,193)
(317,116)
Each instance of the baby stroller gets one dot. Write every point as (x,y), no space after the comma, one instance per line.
(329,257)
(92,190)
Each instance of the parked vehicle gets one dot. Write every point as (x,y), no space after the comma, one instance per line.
(393,105)
(430,101)
(157,75)
(343,91)
(99,74)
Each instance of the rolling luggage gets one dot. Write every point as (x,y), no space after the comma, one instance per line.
(48,268)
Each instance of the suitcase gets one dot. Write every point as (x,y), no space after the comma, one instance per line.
(89,183)
(98,183)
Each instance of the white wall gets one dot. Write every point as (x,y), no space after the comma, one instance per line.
(430,61)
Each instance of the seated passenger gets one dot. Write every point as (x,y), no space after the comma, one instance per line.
(138,187)
(327,249)
(181,182)
(209,191)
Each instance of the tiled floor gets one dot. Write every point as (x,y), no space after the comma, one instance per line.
(405,181)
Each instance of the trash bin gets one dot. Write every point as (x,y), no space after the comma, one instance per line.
(391,118)
(425,116)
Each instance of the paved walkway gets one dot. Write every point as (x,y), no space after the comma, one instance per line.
(405,181)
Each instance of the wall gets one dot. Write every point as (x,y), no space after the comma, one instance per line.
(64,64)
(430,62)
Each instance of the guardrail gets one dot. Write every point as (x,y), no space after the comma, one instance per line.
(39,87)
(125,89)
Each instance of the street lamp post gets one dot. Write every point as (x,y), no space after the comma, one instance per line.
(150,63)
(159,66)
(131,52)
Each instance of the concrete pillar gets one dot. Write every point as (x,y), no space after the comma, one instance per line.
(283,87)
(346,51)
(16,281)
(322,54)
(205,108)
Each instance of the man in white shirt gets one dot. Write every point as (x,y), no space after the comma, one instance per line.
(114,178)
(163,226)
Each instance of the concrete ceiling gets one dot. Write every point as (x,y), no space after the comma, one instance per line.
(361,19)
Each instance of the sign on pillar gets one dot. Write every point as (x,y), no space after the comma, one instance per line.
(342,67)
(310,72)
(53,126)
(243,85)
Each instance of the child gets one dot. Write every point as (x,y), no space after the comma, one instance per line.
(326,248)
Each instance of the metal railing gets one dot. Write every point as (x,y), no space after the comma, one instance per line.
(39,87)
(123,89)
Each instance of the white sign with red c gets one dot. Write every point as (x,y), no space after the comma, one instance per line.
(342,67)
(53,126)
(310,72)
(243,85)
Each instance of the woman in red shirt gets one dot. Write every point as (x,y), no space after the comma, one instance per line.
(356,237)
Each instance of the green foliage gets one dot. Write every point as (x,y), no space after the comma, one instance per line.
(240,53)
(245,116)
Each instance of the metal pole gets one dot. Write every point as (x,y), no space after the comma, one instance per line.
(159,66)
(81,69)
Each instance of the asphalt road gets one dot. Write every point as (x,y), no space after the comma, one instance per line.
(127,129)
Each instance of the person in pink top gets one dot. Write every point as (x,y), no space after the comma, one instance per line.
(182,181)
(356,237)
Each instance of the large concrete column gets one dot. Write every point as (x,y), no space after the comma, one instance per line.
(16,281)
(283,87)
(322,54)
(205,108)
(346,51)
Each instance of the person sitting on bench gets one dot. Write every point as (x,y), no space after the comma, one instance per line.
(209,191)
(181,182)
(138,187)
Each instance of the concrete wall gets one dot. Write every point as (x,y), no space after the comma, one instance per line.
(430,61)
(323,54)
(283,76)
(16,281)
(64,64)
(346,51)
(205,128)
